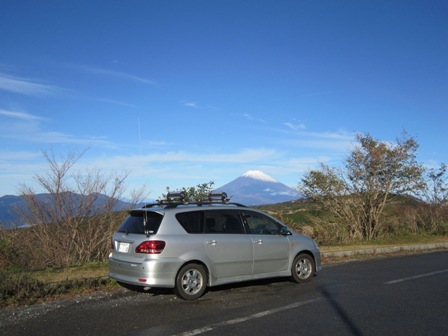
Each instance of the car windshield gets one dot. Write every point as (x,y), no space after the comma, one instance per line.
(135,222)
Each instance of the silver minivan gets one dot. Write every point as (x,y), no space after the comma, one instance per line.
(189,246)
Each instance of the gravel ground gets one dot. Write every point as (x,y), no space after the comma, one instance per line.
(15,315)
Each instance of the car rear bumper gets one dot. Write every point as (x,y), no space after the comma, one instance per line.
(149,273)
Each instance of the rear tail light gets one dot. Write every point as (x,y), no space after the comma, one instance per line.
(151,247)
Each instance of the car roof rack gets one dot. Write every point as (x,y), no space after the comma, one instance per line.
(174,199)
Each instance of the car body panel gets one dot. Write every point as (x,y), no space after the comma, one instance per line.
(230,255)
(271,253)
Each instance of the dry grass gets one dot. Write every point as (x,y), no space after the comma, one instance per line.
(92,270)
(404,240)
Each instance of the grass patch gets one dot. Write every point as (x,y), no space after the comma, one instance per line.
(91,270)
(387,241)
(18,288)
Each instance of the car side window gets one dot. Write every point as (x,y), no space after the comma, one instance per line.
(221,221)
(191,221)
(261,224)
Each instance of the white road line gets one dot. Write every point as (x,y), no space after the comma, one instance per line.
(246,318)
(415,277)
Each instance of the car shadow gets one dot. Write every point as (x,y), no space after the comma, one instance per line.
(254,285)
(250,284)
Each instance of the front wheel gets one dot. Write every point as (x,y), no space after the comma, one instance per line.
(302,268)
(191,282)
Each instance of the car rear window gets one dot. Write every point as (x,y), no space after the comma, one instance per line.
(135,222)
(192,221)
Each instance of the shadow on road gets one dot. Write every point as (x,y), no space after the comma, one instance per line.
(351,326)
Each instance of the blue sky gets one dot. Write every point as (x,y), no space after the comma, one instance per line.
(185,92)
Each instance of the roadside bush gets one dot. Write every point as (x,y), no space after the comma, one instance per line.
(52,245)
(18,287)
(21,287)
(8,255)
(433,218)
(401,219)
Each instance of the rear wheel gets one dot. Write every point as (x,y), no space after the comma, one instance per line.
(302,268)
(191,282)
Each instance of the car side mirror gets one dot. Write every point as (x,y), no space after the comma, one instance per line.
(284,231)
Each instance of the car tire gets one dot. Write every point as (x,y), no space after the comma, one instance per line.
(302,268)
(191,282)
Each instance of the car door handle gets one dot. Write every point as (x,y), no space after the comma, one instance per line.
(258,242)
(211,242)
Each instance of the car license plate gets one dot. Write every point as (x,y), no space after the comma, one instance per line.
(123,247)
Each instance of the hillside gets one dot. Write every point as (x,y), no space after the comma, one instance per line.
(252,188)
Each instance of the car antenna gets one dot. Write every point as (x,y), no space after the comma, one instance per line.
(145,217)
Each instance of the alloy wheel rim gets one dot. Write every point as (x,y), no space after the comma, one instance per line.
(304,268)
(192,282)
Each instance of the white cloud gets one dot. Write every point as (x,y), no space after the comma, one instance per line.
(339,135)
(114,102)
(333,145)
(116,74)
(244,156)
(194,105)
(13,156)
(18,167)
(26,86)
(173,169)
(191,104)
(169,164)
(250,117)
(20,115)
(157,143)
(179,169)
(295,127)
(65,138)
(27,128)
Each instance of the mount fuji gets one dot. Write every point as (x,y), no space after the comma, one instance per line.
(257,188)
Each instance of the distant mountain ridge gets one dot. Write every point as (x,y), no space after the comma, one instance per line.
(252,188)
(9,217)
(257,188)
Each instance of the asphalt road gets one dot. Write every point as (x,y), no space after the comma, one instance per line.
(405,295)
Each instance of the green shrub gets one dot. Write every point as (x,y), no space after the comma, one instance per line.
(21,287)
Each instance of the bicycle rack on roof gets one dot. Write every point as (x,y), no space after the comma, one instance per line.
(174,199)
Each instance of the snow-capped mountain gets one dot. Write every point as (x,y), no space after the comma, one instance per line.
(257,188)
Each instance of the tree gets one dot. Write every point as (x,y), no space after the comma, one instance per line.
(70,222)
(196,193)
(436,187)
(435,213)
(358,193)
